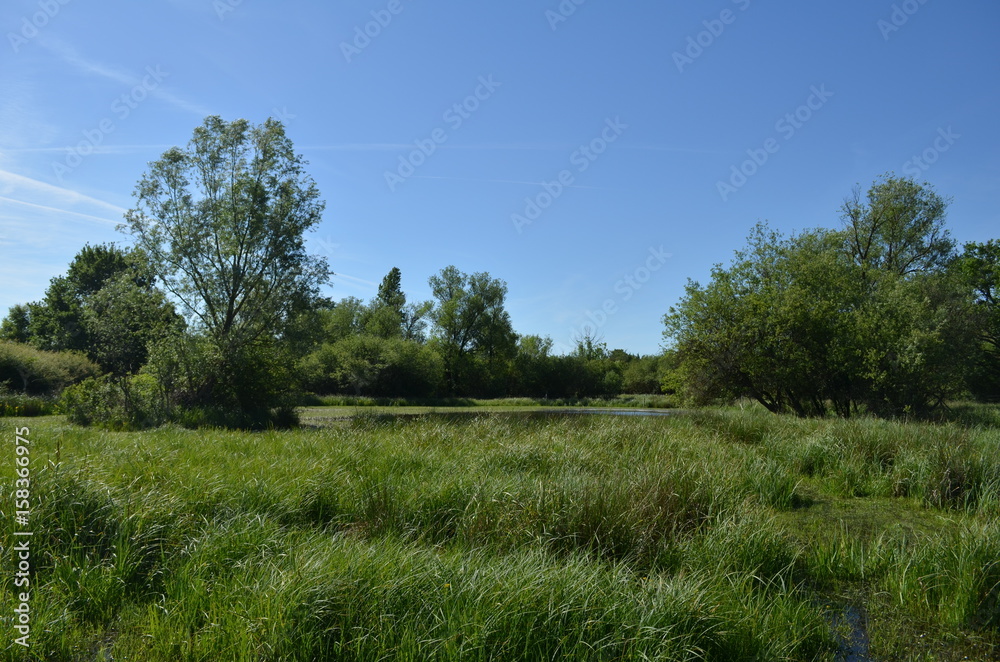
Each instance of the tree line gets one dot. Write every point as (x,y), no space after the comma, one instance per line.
(107,321)
(214,315)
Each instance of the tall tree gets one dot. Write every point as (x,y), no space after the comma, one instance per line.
(223,223)
(385,315)
(390,292)
(899,228)
(470,321)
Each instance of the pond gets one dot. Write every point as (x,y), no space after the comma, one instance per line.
(319,416)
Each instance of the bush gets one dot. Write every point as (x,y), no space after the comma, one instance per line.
(642,376)
(132,403)
(194,385)
(367,365)
(38,372)
(139,402)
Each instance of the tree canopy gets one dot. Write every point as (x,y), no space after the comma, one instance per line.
(869,318)
(223,222)
(470,321)
(898,228)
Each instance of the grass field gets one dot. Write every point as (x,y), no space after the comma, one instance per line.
(715,535)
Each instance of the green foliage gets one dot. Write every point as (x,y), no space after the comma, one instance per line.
(899,229)
(57,322)
(122,320)
(867,319)
(386,313)
(917,339)
(38,372)
(979,269)
(256,388)
(470,323)
(130,403)
(585,373)
(375,366)
(773,326)
(167,391)
(642,374)
(94,266)
(16,327)
(345,319)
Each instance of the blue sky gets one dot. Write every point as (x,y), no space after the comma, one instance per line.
(594,155)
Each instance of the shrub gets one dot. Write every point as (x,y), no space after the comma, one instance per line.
(373,366)
(39,372)
(190,383)
(132,403)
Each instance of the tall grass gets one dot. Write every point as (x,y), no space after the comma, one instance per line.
(506,538)
(20,404)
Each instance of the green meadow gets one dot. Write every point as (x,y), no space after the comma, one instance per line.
(728,534)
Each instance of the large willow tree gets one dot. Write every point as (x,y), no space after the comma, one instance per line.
(223,222)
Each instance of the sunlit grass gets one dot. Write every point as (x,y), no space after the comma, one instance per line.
(722,535)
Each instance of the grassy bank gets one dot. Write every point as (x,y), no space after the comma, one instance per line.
(717,535)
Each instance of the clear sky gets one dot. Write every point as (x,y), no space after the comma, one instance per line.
(592,154)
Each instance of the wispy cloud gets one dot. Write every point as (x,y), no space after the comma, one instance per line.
(356,147)
(354,279)
(510,181)
(523,147)
(25,187)
(69,55)
(95,149)
(382,147)
(22,122)
(59,211)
